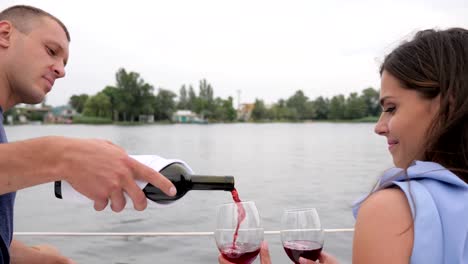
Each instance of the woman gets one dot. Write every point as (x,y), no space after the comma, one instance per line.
(418,213)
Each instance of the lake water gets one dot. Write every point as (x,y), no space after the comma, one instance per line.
(279,166)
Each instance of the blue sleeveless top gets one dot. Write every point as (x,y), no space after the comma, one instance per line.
(7,202)
(439,205)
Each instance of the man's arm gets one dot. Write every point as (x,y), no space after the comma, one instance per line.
(41,254)
(98,169)
(28,163)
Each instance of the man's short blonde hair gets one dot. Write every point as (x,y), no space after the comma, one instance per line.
(21,17)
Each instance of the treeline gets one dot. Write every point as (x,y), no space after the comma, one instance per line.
(299,107)
(132,97)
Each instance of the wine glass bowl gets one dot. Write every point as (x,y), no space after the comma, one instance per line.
(243,246)
(302,234)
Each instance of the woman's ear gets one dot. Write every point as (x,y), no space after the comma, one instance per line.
(5,33)
(436,103)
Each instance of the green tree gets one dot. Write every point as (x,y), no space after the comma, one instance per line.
(78,102)
(10,112)
(98,106)
(337,107)
(259,112)
(279,111)
(145,99)
(192,99)
(164,104)
(370,96)
(36,116)
(309,110)
(135,93)
(321,106)
(205,102)
(229,110)
(298,102)
(183,98)
(355,107)
(224,110)
(116,99)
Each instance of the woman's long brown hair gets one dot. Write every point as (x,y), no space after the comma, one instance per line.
(435,63)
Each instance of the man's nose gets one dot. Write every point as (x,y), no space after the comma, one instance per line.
(59,70)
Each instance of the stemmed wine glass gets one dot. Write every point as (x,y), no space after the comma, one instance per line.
(238,232)
(301,234)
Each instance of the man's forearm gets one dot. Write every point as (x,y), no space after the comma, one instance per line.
(20,253)
(40,254)
(28,163)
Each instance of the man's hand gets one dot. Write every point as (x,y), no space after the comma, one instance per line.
(97,169)
(40,254)
(103,171)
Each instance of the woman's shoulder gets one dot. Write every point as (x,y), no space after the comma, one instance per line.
(388,207)
(384,226)
(425,205)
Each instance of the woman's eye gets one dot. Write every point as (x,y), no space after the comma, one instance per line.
(389,109)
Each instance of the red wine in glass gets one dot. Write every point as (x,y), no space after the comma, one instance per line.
(240,215)
(240,253)
(238,245)
(302,248)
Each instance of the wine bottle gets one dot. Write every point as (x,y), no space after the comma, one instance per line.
(177,171)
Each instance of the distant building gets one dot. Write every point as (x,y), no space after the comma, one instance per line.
(187,116)
(146,118)
(26,113)
(61,114)
(23,119)
(10,119)
(245,112)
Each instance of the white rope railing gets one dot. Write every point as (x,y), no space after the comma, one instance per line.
(149,234)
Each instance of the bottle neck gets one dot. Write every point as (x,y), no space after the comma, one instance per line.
(203,182)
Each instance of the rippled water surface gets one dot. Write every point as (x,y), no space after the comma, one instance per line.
(278,166)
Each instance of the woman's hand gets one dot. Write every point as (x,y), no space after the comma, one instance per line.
(265,254)
(324,258)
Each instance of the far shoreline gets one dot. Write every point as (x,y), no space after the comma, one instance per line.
(167,122)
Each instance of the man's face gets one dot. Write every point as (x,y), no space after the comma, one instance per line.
(36,60)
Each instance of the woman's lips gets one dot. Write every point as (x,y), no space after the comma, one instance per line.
(392,144)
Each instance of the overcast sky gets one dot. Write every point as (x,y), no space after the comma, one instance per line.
(266,49)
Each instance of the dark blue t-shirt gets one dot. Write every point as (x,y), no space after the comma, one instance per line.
(7,202)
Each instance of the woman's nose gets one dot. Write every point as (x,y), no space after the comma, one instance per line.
(381,128)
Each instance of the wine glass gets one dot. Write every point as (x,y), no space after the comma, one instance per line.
(301,234)
(238,232)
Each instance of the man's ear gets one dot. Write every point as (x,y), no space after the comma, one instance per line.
(5,33)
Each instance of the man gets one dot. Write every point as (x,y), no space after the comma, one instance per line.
(33,54)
